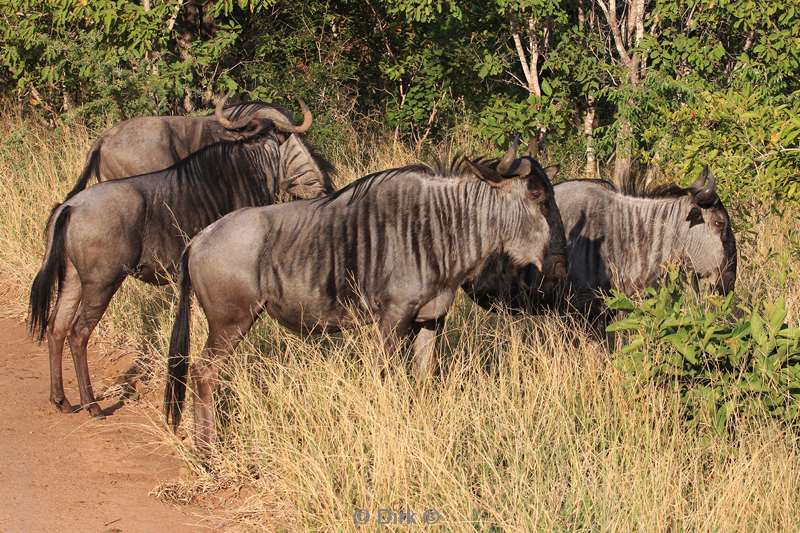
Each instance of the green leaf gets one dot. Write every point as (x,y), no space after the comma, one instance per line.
(757,329)
(790,333)
(619,302)
(776,313)
(721,418)
(624,325)
(547,89)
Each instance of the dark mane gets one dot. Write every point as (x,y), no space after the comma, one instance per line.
(667,190)
(363,185)
(216,161)
(596,181)
(664,190)
(454,168)
(215,152)
(219,178)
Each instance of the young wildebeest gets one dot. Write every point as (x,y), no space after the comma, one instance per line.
(392,247)
(138,226)
(146,144)
(622,242)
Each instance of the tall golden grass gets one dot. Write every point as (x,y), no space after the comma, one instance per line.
(528,428)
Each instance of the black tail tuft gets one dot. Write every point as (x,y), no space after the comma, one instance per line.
(178,357)
(51,273)
(92,167)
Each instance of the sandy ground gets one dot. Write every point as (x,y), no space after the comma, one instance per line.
(67,472)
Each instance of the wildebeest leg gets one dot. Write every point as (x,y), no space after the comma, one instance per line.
(394,328)
(425,336)
(222,339)
(94,301)
(57,330)
(426,330)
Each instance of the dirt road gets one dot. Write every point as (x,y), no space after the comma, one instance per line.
(68,472)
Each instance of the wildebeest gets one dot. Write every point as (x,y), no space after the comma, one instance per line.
(146,144)
(138,226)
(622,242)
(391,248)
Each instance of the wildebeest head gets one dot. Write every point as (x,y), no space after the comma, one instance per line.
(540,240)
(710,247)
(302,174)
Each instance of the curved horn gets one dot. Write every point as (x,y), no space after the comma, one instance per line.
(706,195)
(701,180)
(505,164)
(711,182)
(222,119)
(288,127)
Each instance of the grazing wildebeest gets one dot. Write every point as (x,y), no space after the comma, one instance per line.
(622,242)
(138,226)
(391,248)
(146,144)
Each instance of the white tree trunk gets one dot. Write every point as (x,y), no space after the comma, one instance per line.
(588,130)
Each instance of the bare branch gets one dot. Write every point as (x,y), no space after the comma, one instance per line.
(610,13)
(518,81)
(521,55)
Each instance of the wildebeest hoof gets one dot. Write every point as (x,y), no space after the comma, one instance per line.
(95,411)
(62,405)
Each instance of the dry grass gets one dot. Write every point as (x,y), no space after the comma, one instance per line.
(528,428)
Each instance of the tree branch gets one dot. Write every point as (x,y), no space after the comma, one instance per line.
(521,55)
(610,12)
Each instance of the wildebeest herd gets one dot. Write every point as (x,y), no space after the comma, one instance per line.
(240,206)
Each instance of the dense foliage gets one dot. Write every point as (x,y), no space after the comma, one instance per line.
(587,80)
(726,360)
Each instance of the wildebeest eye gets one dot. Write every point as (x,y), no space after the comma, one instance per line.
(719,223)
(534,194)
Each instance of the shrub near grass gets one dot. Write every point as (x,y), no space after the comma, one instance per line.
(725,359)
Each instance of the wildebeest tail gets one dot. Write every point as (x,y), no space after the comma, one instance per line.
(178,357)
(50,274)
(92,168)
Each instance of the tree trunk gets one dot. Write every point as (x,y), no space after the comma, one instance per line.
(623,162)
(68,101)
(530,69)
(533,146)
(189,24)
(626,34)
(588,130)
(623,156)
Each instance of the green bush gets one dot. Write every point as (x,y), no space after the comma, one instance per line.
(726,360)
(749,138)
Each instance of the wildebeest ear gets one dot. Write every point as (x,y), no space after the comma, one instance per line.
(695,216)
(303,177)
(701,180)
(552,171)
